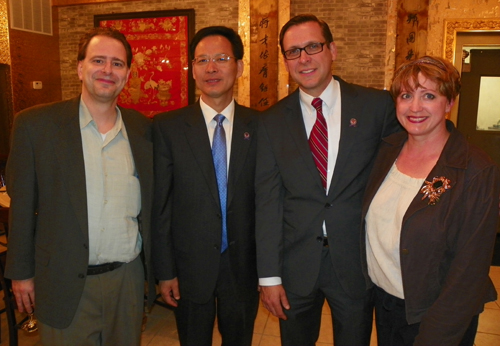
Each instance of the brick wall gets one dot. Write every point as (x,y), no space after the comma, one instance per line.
(359,31)
(35,57)
(74,21)
(358,26)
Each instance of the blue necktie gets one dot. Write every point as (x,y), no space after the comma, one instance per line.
(219,153)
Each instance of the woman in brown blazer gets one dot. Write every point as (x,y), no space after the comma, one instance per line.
(430,217)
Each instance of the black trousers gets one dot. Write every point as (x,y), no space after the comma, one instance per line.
(394,330)
(235,316)
(352,318)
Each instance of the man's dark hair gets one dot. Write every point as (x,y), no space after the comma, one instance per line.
(109,32)
(224,31)
(305,18)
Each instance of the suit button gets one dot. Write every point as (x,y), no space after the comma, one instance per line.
(216,247)
(405,251)
(81,276)
(318,239)
(328,205)
(219,216)
(85,246)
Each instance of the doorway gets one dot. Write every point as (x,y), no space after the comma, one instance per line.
(479,109)
(464,42)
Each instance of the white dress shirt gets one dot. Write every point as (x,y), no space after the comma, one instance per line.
(332,112)
(209,113)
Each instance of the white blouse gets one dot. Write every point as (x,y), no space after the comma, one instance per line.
(383,229)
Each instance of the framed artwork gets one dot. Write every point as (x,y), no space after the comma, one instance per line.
(160,75)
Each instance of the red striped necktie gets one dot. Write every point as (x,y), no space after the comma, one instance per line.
(318,141)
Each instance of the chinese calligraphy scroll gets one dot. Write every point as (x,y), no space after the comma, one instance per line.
(263,54)
(411,42)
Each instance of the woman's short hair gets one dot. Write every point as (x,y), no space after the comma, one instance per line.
(438,70)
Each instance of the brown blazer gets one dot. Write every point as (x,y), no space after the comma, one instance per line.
(48,237)
(445,249)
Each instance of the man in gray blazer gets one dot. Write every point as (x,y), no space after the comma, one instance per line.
(315,153)
(204,204)
(80,177)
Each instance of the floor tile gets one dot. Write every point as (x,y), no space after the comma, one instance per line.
(483,339)
(489,322)
(261,320)
(272,326)
(256,339)
(161,329)
(495,276)
(162,341)
(269,340)
(326,309)
(492,305)
(373,339)
(326,330)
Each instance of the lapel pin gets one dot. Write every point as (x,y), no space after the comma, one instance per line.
(246,136)
(353,122)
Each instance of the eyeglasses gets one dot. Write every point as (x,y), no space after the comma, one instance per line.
(219,59)
(310,49)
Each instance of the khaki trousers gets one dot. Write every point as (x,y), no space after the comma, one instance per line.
(110,311)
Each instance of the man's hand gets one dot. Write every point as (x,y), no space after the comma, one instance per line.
(169,290)
(24,291)
(274,299)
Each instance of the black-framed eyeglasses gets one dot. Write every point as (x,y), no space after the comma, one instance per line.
(310,49)
(219,59)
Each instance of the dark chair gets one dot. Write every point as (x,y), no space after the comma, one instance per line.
(4,221)
(6,286)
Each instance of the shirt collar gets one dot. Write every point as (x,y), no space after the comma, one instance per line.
(86,120)
(327,96)
(209,113)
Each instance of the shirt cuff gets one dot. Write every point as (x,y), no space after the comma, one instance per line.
(271,281)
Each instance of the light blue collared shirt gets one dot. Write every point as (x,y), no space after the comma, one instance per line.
(113,192)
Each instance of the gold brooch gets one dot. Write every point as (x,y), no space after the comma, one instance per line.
(433,190)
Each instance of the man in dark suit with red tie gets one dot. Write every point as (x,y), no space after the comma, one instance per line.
(315,152)
(204,208)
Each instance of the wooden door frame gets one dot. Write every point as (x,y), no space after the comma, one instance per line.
(451,28)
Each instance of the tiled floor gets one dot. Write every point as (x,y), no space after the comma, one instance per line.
(161,331)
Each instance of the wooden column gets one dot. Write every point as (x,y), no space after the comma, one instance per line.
(263,53)
(411,40)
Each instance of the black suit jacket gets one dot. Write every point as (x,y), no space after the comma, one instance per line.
(291,202)
(48,237)
(187,215)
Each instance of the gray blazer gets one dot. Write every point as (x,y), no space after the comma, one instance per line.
(48,237)
(291,202)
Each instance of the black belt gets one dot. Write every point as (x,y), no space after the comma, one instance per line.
(325,241)
(103,268)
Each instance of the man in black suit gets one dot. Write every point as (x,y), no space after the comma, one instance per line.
(315,153)
(204,206)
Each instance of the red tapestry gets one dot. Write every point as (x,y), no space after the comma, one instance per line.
(159,73)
